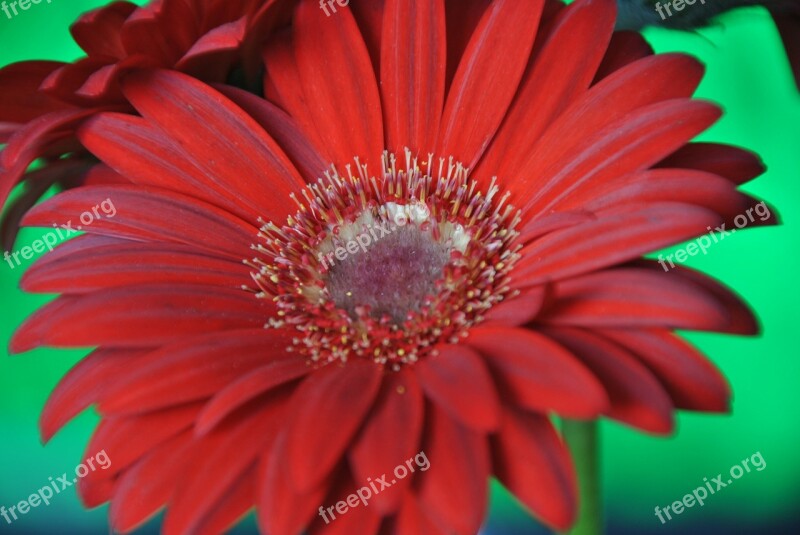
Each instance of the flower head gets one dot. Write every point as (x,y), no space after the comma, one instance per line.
(269,334)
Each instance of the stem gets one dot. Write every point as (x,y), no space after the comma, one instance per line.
(584,443)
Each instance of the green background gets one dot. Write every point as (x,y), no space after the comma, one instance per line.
(747,73)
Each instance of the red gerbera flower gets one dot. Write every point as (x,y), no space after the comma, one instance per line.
(45,101)
(482,302)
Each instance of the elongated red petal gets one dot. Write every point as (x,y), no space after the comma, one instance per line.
(458,381)
(97,32)
(284,129)
(412,519)
(84,385)
(193,369)
(362,519)
(127,440)
(248,387)
(536,373)
(139,316)
(329,407)
(149,157)
(413,59)
(342,91)
(735,164)
(222,459)
(616,236)
(391,434)
(20,83)
(123,264)
(149,214)
(692,381)
(625,48)
(662,185)
(487,78)
(630,297)
(519,310)
(534,464)
(637,397)
(149,484)
(204,123)
(282,510)
(454,490)
(561,71)
(238,499)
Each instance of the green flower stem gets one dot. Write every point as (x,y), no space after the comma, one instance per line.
(584,443)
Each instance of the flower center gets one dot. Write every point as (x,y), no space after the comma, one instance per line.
(386,268)
(392,271)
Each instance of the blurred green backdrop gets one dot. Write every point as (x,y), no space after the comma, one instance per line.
(748,74)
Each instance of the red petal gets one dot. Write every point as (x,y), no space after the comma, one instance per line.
(630,297)
(600,137)
(519,310)
(126,440)
(31,141)
(390,434)
(487,78)
(247,388)
(369,16)
(212,55)
(625,48)
(282,510)
(463,16)
(560,72)
(662,185)
(98,31)
(691,379)
(615,237)
(149,484)
(741,319)
(132,263)
(458,381)
(637,397)
(454,489)
(330,406)
(36,183)
(362,519)
(539,374)
(193,369)
(148,157)
(735,164)
(150,214)
(205,124)
(22,101)
(412,72)
(411,520)
(283,86)
(220,459)
(284,129)
(233,506)
(144,32)
(139,316)
(84,385)
(534,464)
(341,91)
